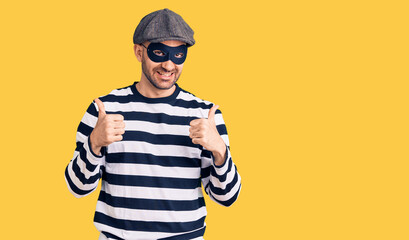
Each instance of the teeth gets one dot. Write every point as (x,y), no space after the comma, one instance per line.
(165,74)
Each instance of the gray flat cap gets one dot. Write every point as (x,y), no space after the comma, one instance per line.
(163,25)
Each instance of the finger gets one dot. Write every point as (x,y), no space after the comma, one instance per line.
(212,112)
(118,125)
(101,107)
(196,135)
(196,140)
(119,131)
(115,117)
(197,128)
(117,138)
(196,122)
(194,128)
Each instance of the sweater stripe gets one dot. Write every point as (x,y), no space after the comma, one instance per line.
(155,149)
(145,181)
(151,215)
(148,226)
(146,158)
(151,204)
(165,139)
(153,193)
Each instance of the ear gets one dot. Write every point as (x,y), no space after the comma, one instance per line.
(138,51)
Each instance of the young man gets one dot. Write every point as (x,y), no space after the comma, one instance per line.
(153,145)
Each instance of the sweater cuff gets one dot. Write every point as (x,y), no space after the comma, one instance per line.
(222,168)
(91,156)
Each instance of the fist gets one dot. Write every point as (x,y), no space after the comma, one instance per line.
(108,129)
(204,132)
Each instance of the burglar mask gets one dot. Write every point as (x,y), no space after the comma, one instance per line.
(159,52)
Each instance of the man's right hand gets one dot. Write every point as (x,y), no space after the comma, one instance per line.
(109,129)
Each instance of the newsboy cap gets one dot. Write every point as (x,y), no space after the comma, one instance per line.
(163,25)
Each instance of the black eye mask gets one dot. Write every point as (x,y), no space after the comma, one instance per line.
(159,52)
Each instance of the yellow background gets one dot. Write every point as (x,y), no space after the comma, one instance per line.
(314,94)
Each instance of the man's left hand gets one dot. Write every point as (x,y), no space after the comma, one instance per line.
(204,132)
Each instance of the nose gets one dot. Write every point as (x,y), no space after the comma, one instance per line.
(168,65)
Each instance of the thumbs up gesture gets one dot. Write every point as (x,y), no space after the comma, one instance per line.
(204,132)
(108,129)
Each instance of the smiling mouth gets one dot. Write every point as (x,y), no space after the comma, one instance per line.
(167,74)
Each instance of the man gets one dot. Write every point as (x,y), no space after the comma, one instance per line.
(153,145)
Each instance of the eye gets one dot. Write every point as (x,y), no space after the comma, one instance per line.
(159,53)
(179,55)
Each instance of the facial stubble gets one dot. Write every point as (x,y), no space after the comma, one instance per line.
(151,78)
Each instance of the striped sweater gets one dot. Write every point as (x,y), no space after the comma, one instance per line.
(151,180)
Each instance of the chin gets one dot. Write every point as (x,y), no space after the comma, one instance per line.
(164,85)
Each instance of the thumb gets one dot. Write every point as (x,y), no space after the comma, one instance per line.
(101,107)
(212,112)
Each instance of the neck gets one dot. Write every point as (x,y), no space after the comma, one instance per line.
(145,88)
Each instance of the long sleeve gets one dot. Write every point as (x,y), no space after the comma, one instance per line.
(221,183)
(84,170)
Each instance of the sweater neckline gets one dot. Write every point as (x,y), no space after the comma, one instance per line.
(167,99)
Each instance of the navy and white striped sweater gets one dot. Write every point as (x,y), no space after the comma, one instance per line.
(151,180)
